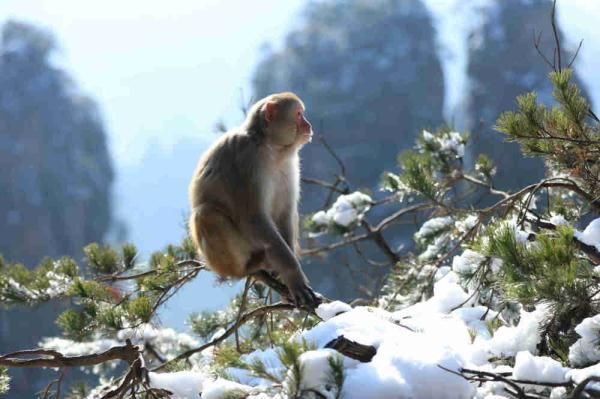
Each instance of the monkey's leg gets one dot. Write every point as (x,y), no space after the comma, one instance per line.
(270,281)
(226,251)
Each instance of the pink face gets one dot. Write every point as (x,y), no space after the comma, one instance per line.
(303,126)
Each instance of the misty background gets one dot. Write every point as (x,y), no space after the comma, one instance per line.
(106,107)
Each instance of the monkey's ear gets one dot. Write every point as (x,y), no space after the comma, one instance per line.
(270,111)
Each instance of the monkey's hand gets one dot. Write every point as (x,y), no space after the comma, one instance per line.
(301,294)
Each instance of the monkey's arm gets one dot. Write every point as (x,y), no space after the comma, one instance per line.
(288,227)
(281,260)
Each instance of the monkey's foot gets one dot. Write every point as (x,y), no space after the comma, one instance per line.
(305,297)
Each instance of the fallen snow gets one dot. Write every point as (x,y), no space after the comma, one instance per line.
(525,336)
(316,373)
(558,219)
(327,310)
(586,350)
(467,262)
(433,226)
(222,388)
(449,142)
(346,210)
(182,384)
(591,234)
(538,368)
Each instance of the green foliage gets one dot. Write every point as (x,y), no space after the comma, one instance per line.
(548,269)
(206,323)
(140,309)
(78,390)
(561,134)
(289,354)
(485,166)
(189,248)
(50,279)
(128,254)
(102,259)
(75,325)
(418,173)
(226,355)
(336,366)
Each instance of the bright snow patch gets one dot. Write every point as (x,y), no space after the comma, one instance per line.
(346,210)
(221,388)
(507,341)
(183,384)
(328,310)
(433,226)
(586,350)
(538,368)
(591,234)
(316,366)
(467,262)
(558,219)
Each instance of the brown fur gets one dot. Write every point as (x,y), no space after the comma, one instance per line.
(244,195)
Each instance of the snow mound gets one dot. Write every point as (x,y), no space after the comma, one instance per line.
(538,368)
(328,310)
(182,384)
(591,234)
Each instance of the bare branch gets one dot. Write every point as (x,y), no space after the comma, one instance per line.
(46,358)
(322,183)
(556,37)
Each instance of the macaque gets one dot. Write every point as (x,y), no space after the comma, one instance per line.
(244,196)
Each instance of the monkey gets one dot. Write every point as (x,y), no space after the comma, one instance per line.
(244,197)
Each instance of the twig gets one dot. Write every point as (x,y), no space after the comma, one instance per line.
(322,183)
(556,37)
(245,317)
(240,311)
(385,223)
(197,265)
(576,394)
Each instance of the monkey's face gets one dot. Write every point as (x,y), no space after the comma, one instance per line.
(304,130)
(291,128)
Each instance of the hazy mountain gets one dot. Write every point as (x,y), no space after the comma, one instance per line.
(56,179)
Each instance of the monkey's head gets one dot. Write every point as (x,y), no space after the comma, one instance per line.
(280,119)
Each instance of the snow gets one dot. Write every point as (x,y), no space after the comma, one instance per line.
(558,393)
(222,388)
(327,310)
(558,219)
(578,375)
(466,224)
(317,371)
(591,234)
(453,143)
(467,262)
(508,341)
(320,218)
(345,211)
(433,226)
(586,350)
(182,384)
(538,368)
(449,142)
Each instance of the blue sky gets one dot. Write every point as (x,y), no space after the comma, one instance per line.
(159,69)
(162,70)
